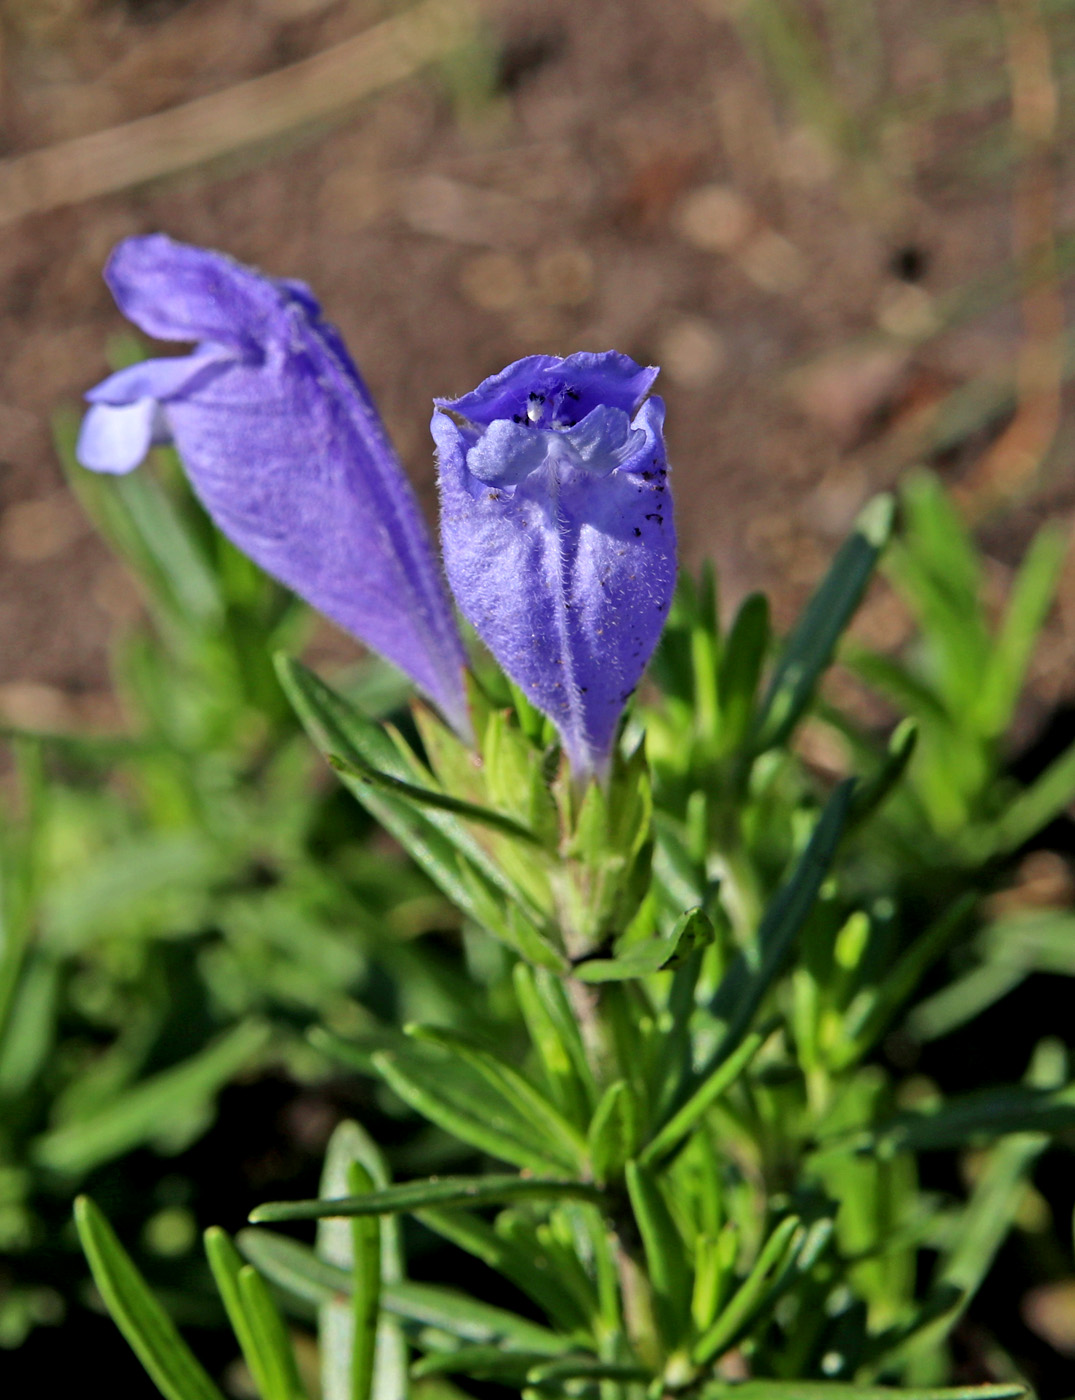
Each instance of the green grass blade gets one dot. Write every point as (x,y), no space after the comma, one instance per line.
(147,1327)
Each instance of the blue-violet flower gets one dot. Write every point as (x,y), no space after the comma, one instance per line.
(283,446)
(556,525)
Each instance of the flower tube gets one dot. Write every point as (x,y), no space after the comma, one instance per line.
(283,446)
(556,525)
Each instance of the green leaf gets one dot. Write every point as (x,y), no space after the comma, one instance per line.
(962,1000)
(1031,597)
(888,998)
(837,1390)
(740,670)
(139,1114)
(296,1269)
(481,1363)
(523,1261)
(270,1337)
(513,1087)
(666,1254)
(554,1374)
(492,1124)
(968,1118)
(343,1319)
(555,1036)
(672,1133)
(613,1131)
(756,967)
(147,1327)
(693,930)
(744,1305)
(429,797)
(809,649)
(437,840)
(438,1191)
(1034,808)
(366,1287)
(872,792)
(226,1264)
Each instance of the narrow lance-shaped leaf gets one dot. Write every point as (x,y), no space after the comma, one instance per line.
(437,840)
(740,1310)
(755,968)
(841,1390)
(147,1327)
(438,1191)
(366,1287)
(226,1264)
(296,1269)
(429,797)
(665,1253)
(1031,597)
(809,648)
(494,1125)
(511,1085)
(270,1337)
(137,1115)
(693,930)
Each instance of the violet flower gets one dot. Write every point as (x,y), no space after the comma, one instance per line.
(283,446)
(557,531)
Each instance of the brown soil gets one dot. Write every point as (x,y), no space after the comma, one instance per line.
(629,173)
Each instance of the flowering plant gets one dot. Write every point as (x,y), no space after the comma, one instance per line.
(701,1176)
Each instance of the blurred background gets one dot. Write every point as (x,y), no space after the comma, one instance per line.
(842,228)
(838,225)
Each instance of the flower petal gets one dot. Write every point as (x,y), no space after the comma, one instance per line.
(568,577)
(161,379)
(175,291)
(590,379)
(115,438)
(285,449)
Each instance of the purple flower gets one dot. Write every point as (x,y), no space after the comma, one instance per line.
(283,446)
(557,531)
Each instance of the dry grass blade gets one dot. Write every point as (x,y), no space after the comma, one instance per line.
(249,113)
